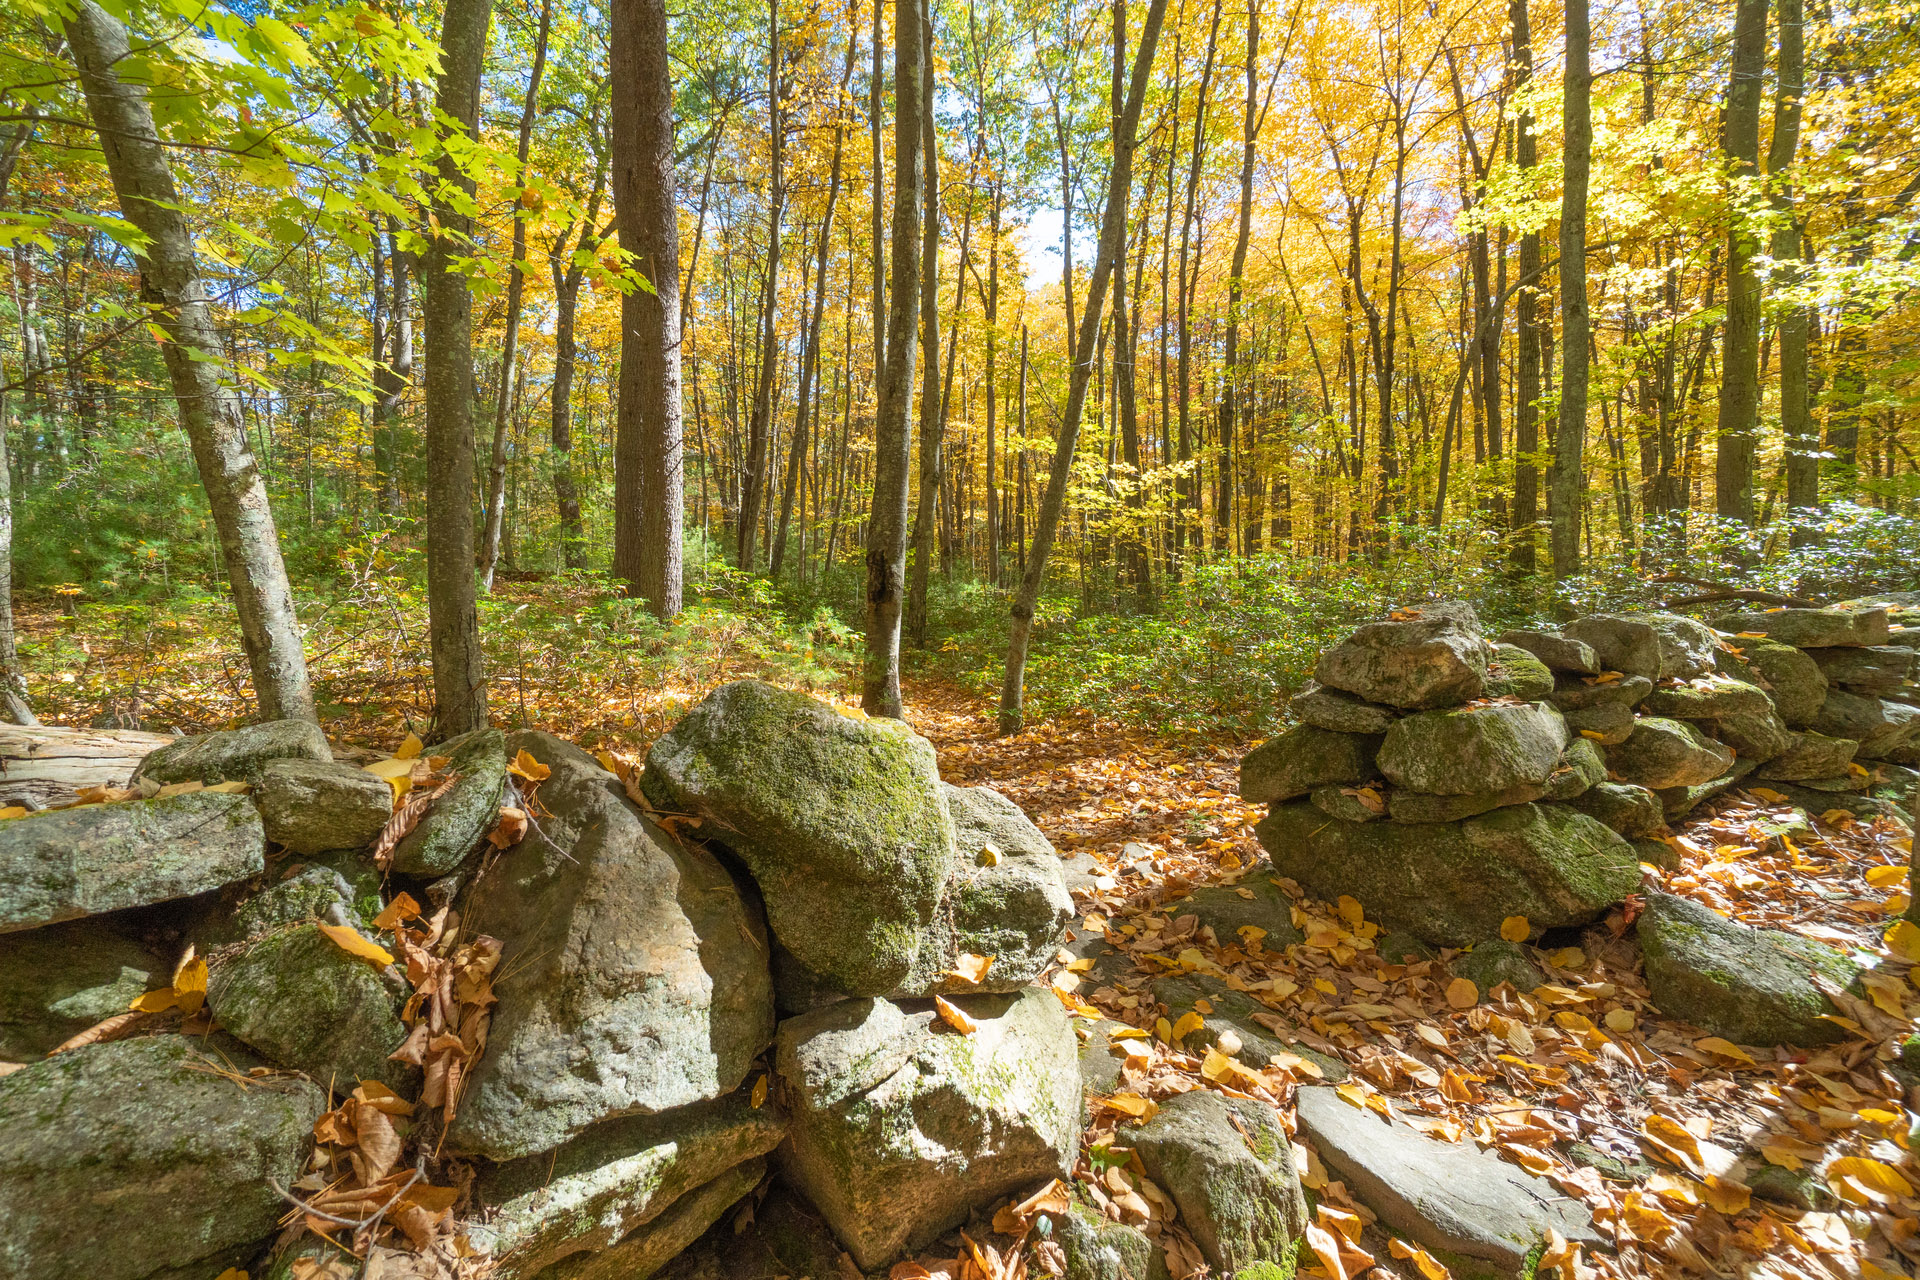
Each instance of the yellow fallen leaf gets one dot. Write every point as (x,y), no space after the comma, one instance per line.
(1720,1048)
(409,748)
(1903,939)
(954,1016)
(1728,1196)
(190,984)
(390,768)
(1189,1023)
(1163,1029)
(13,811)
(231,1273)
(1669,1137)
(1891,873)
(525,766)
(1789,1152)
(381,1098)
(1131,1104)
(1462,994)
(1515,929)
(969,967)
(1429,1266)
(233,788)
(158,1000)
(1326,1248)
(350,941)
(1568,958)
(758,1098)
(1875,1175)
(1349,909)
(1595,734)
(1620,1020)
(1217,1066)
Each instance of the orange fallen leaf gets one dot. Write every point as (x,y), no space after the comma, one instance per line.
(1462,994)
(525,766)
(969,967)
(1515,929)
(350,941)
(403,907)
(954,1016)
(510,830)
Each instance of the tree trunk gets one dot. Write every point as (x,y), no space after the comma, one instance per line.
(1565,499)
(1231,371)
(760,425)
(1113,238)
(1802,446)
(210,411)
(1739,415)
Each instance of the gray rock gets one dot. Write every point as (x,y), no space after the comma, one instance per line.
(1708,698)
(1492,963)
(1254,901)
(1792,678)
(1751,986)
(234,755)
(1336,802)
(1101,1057)
(69,863)
(1449,1197)
(1608,723)
(1402,948)
(1877,669)
(786,1240)
(58,981)
(1235,1011)
(460,819)
(336,890)
(1474,749)
(1879,725)
(1812,755)
(633,977)
(304,1003)
(1581,768)
(1796,1188)
(314,806)
(1330,709)
(1229,1167)
(1757,738)
(841,821)
(900,1127)
(1810,628)
(1420,806)
(1621,642)
(1011,904)
(590,1193)
(1573,693)
(1677,802)
(120,1160)
(653,1245)
(1433,657)
(1095,1247)
(1662,753)
(1452,884)
(1623,807)
(1687,647)
(1555,651)
(1515,673)
(1304,758)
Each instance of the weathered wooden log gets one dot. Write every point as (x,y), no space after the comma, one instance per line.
(43,765)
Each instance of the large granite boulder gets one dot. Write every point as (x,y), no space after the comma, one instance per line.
(68,863)
(591,1192)
(1812,755)
(1339,712)
(1006,897)
(901,1125)
(1621,642)
(1514,673)
(1686,646)
(1473,749)
(1229,1167)
(119,1161)
(633,976)
(1880,725)
(1755,737)
(1451,884)
(1750,986)
(460,819)
(315,806)
(1810,628)
(1877,669)
(1623,807)
(234,755)
(1303,758)
(303,1002)
(1663,753)
(1555,651)
(1712,697)
(58,981)
(1429,655)
(1789,676)
(841,821)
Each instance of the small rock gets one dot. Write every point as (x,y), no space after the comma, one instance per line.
(1420,806)
(460,819)
(1677,802)
(1303,758)
(1434,657)
(1573,693)
(1254,902)
(1796,1188)
(1812,755)
(1667,753)
(1750,986)
(1811,628)
(653,1245)
(1338,802)
(1449,1197)
(1581,768)
(1515,673)
(58,981)
(1085,874)
(1402,948)
(304,1003)
(68,863)
(1792,678)
(1621,642)
(120,1160)
(1628,809)
(1608,724)
(1611,1167)
(1876,669)
(234,755)
(1011,904)
(1757,738)
(901,1126)
(1096,1247)
(314,806)
(1709,698)
(1555,651)
(1492,963)
(1229,1167)
(1879,725)
(1339,712)
(1470,750)
(1230,1010)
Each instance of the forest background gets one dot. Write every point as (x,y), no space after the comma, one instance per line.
(1549,307)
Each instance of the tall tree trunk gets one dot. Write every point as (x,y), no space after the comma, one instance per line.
(516,291)
(760,425)
(459,665)
(877,199)
(1113,239)
(1739,415)
(210,411)
(648,452)
(1187,488)
(992,303)
(1566,498)
(1796,322)
(932,401)
(1231,371)
(893,437)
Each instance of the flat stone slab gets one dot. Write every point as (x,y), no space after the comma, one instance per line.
(1450,1197)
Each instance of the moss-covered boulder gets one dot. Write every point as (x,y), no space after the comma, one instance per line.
(1452,884)
(1492,963)
(460,819)
(314,806)
(1810,628)
(1663,753)
(1006,897)
(1229,1167)
(58,981)
(633,974)
(234,755)
(1340,712)
(1677,802)
(1711,697)
(1812,755)
(1623,807)
(1621,642)
(1348,804)
(1757,738)
(1608,723)
(841,821)
(1750,986)
(1426,655)
(1555,651)
(1421,806)
(1468,750)
(1791,678)
(69,863)
(1582,767)
(121,1160)
(1876,669)
(588,1194)
(652,1245)
(1254,902)
(1303,758)
(303,1002)
(1880,725)
(1514,673)
(900,1126)
(1581,693)
(1095,1247)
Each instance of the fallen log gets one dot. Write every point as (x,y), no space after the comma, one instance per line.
(41,766)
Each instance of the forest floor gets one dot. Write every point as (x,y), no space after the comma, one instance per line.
(1683,1124)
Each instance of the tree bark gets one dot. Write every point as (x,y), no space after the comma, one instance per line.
(1231,371)
(1565,499)
(760,424)
(1802,444)
(210,412)
(1739,413)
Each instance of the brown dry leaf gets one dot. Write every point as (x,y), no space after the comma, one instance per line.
(523,765)
(118,1027)
(373,1094)
(1462,994)
(510,830)
(909,1270)
(331,1267)
(403,907)
(349,940)
(954,1016)
(970,967)
(1670,1139)
(405,818)
(377,1142)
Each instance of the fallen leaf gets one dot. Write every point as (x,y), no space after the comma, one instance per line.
(954,1016)
(1515,929)
(190,984)
(1875,1175)
(510,830)
(1189,1023)
(1882,876)
(759,1096)
(1462,994)
(1429,1266)
(971,968)
(1720,1048)
(523,765)
(349,940)
(409,748)
(1326,1248)
(403,907)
